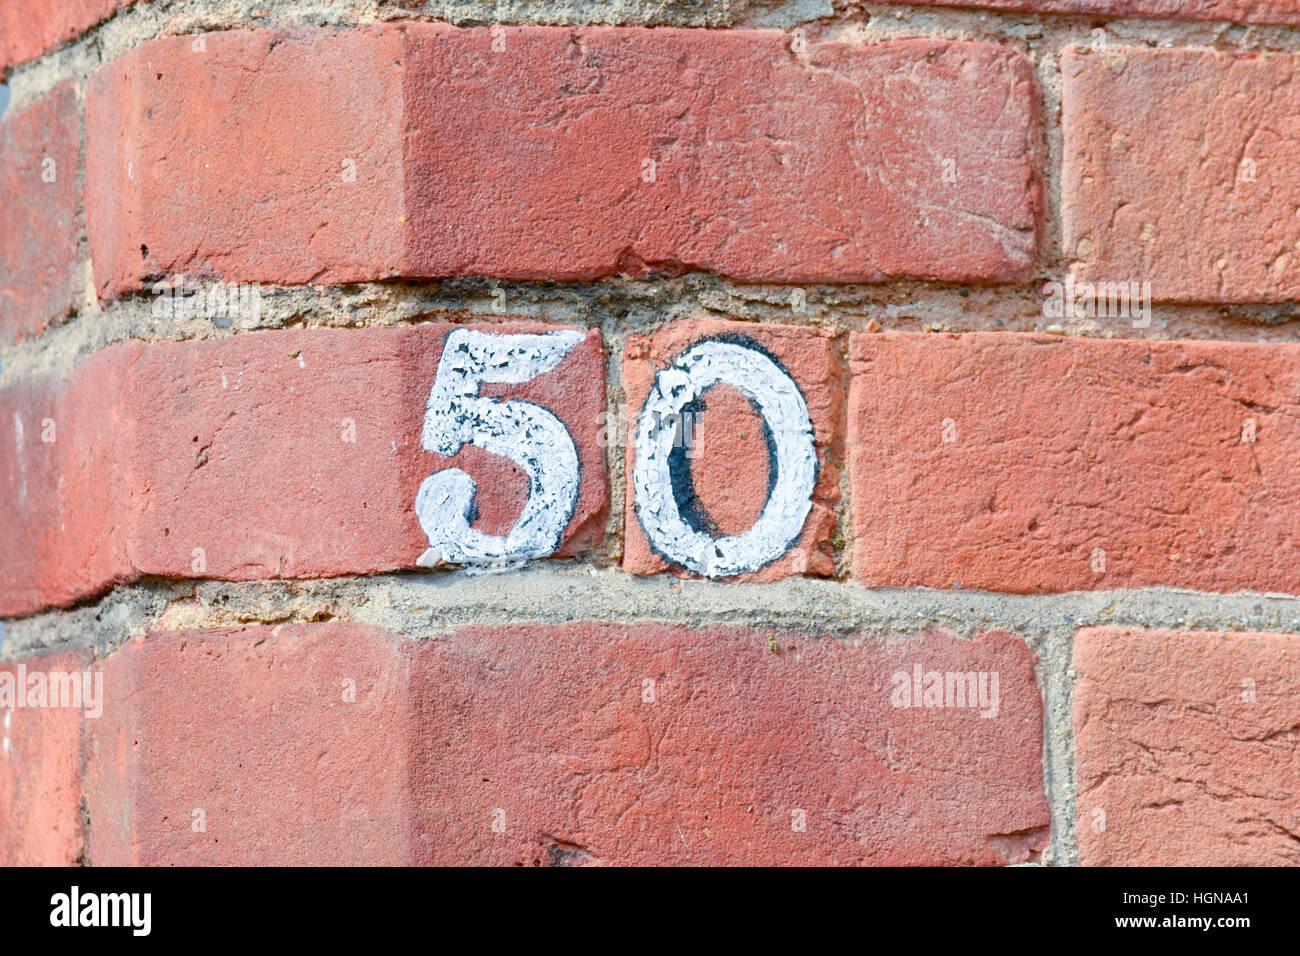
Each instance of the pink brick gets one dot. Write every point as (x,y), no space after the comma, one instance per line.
(1187,748)
(550,724)
(238,746)
(290,454)
(41,763)
(729,452)
(552,733)
(1233,11)
(1180,170)
(29,28)
(62,494)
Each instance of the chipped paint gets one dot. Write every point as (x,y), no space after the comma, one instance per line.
(527,434)
(661,479)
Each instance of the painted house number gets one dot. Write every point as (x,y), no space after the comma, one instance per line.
(540,444)
(529,435)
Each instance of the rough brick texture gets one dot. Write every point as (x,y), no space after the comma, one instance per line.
(1234,11)
(1065,447)
(29,28)
(552,733)
(729,458)
(61,509)
(281,454)
(1181,170)
(228,511)
(1189,745)
(353,157)
(40,173)
(285,771)
(40,768)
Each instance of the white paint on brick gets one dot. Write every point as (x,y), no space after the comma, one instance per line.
(20,458)
(782,405)
(527,434)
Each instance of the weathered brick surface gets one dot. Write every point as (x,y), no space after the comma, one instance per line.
(226,747)
(63,502)
(40,767)
(1234,11)
(846,162)
(29,28)
(551,725)
(552,733)
(1066,447)
(283,454)
(1181,170)
(1188,748)
(320,153)
(730,455)
(40,171)
(264,156)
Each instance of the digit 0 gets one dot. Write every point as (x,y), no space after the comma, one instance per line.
(663,494)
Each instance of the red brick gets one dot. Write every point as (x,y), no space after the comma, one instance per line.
(229,161)
(62,495)
(729,455)
(28,29)
(251,727)
(549,724)
(1160,150)
(1188,748)
(41,770)
(1233,11)
(42,225)
(1065,446)
(238,447)
(529,165)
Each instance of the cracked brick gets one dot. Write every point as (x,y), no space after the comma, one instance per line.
(1188,748)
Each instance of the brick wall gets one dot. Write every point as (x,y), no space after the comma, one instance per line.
(650,432)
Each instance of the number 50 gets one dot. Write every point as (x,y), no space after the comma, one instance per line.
(539,443)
